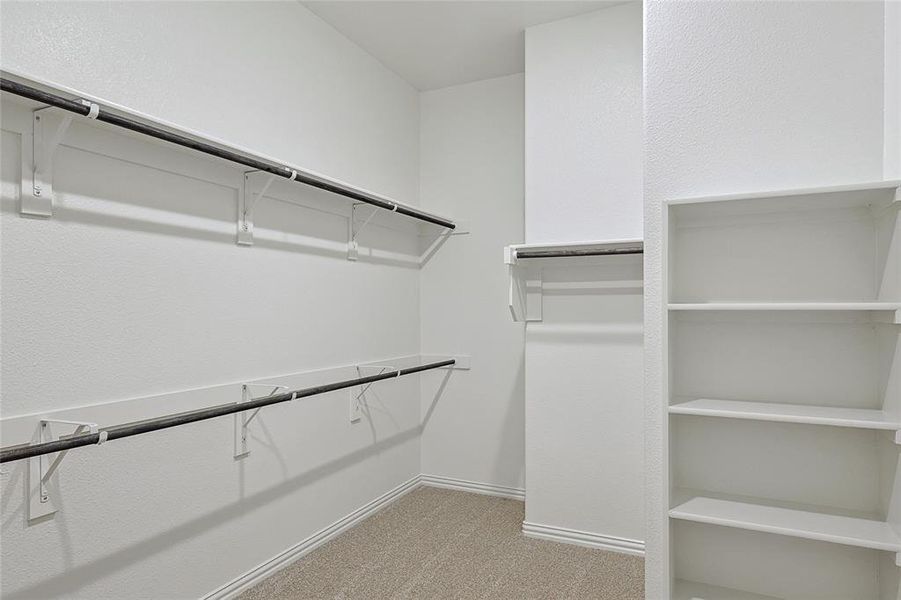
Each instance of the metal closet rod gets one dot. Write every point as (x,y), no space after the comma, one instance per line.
(125,430)
(106,116)
(559,253)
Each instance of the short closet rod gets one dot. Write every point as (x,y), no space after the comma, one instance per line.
(125,430)
(561,253)
(76,106)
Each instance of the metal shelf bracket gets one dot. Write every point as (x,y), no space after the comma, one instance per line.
(36,197)
(248,199)
(41,469)
(242,419)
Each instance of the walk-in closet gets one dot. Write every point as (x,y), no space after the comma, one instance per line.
(450,299)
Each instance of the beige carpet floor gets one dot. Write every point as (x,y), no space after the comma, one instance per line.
(435,543)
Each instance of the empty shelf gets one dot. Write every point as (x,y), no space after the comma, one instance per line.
(877,194)
(849,531)
(753,306)
(692,590)
(861,418)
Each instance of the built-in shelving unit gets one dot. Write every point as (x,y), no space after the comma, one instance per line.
(783,389)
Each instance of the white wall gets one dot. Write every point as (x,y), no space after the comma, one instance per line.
(472,165)
(584,415)
(135,287)
(271,77)
(892,103)
(583,127)
(743,96)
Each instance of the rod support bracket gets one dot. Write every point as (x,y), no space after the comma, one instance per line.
(249,194)
(42,485)
(48,128)
(243,419)
(353,248)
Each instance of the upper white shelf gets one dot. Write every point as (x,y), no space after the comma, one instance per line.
(518,252)
(850,531)
(754,306)
(860,418)
(878,194)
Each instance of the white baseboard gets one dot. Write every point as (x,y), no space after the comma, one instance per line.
(261,572)
(463,485)
(583,538)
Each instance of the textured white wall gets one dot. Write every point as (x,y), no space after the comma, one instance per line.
(892,103)
(743,96)
(135,287)
(269,76)
(472,165)
(584,415)
(583,127)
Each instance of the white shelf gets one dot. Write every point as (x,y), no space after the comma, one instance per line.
(787,306)
(692,590)
(878,194)
(860,418)
(849,531)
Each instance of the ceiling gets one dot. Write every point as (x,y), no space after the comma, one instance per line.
(438,43)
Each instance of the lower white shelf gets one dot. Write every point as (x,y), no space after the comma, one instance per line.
(860,418)
(692,590)
(849,531)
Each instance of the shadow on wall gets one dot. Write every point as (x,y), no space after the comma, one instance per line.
(513,446)
(141,192)
(62,584)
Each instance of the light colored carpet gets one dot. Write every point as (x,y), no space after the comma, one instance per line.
(435,543)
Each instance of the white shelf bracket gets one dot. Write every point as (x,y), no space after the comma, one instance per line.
(353,251)
(42,485)
(358,398)
(897,437)
(242,419)
(898,559)
(248,199)
(48,128)
(524,296)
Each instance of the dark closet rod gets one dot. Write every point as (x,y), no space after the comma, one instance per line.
(125,430)
(76,106)
(561,253)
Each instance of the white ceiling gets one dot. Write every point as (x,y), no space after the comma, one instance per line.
(434,44)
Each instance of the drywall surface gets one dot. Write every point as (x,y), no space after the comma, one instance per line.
(472,164)
(584,360)
(743,97)
(270,77)
(583,127)
(584,415)
(892,104)
(135,288)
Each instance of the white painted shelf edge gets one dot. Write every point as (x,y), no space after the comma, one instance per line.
(693,590)
(888,184)
(799,306)
(849,531)
(860,418)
